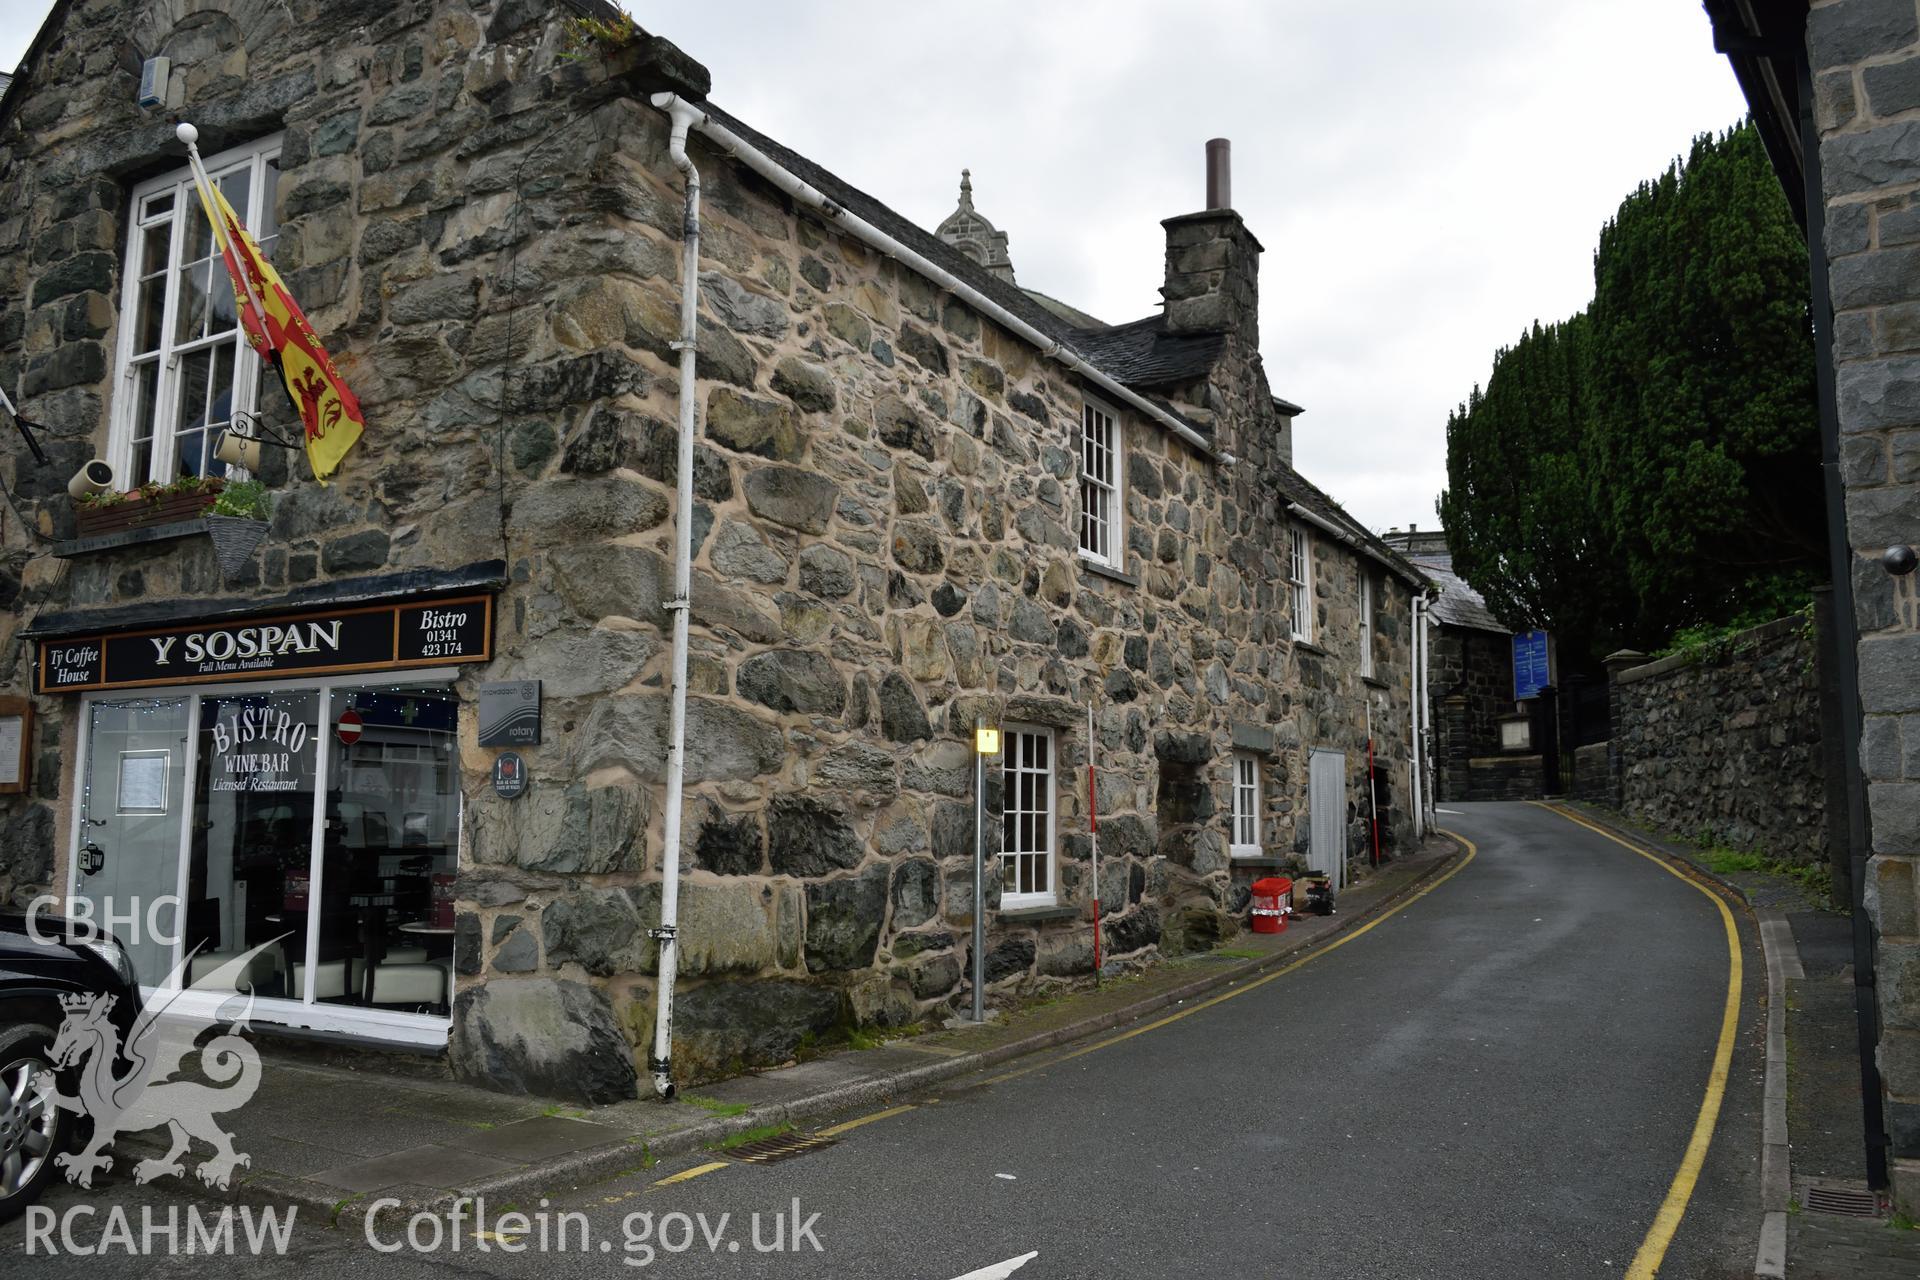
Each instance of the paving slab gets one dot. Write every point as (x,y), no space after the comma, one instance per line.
(429,1166)
(540,1138)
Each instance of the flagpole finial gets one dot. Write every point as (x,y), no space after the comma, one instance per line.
(187,133)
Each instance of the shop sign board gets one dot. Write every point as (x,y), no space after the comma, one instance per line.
(380,637)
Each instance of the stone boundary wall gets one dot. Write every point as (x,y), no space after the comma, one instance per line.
(1504,778)
(1591,778)
(1723,743)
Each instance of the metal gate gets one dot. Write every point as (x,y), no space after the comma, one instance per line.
(1327,814)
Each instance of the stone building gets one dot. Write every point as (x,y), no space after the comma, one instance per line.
(1482,746)
(918,505)
(1835,90)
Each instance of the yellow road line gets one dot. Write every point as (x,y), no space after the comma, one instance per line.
(686,1175)
(839,1129)
(1255,984)
(1653,1249)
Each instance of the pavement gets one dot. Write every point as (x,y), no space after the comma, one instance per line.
(1497,1074)
(1824,1132)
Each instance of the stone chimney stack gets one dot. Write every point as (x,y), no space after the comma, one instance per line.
(1213,262)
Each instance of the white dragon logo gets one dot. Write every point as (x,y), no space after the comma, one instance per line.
(144,1096)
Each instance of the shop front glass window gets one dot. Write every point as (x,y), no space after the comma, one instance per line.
(389,849)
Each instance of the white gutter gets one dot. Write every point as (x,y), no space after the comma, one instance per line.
(860,229)
(660,1062)
(1347,536)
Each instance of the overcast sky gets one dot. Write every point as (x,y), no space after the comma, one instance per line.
(1427,178)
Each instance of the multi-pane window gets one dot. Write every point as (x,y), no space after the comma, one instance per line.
(1366,623)
(184,363)
(1026,849)
(1299,577)
(1099,485)
(1246,806)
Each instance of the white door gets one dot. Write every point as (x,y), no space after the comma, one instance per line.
(1327,814)
(130,824)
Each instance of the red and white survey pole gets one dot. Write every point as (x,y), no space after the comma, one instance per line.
(1093,843)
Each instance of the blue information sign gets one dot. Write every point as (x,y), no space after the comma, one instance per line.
(1529,664)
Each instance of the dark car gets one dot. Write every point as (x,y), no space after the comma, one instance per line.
(42,961)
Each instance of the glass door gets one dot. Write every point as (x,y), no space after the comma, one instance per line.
(128,868)
(252,835)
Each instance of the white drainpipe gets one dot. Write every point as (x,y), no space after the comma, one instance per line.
(860,229)
(1418,692)
(660,1063)
(1426,696)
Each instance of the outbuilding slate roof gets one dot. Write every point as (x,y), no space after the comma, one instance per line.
(1458,605)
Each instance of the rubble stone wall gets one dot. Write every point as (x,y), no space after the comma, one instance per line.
(488,236)
(1722,743)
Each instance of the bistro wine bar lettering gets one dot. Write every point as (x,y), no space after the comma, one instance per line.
(373,638)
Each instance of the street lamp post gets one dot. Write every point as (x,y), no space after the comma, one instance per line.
(986,742)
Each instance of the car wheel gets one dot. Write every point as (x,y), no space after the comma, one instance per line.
(31,1127)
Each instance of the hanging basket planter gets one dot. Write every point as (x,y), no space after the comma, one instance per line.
(234,541)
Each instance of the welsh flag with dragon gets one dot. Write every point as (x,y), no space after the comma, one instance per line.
(279,331)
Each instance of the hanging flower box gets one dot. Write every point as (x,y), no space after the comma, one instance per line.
(149,505)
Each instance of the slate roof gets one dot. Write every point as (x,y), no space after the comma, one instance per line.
(1458,605)
(1065,310)
(1144,354)
(1139,355)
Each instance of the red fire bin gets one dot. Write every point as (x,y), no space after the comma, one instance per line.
(1272,904)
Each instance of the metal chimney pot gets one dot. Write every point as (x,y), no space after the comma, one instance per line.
(1219,173)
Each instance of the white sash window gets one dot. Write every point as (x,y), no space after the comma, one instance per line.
(1100,486)
(1027,821)
(184,365)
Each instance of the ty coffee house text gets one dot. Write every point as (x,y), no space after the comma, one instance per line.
(365,639)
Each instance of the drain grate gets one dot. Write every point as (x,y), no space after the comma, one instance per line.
(1844,1201)
(783,1146)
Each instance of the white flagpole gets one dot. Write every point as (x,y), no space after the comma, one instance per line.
(191,136)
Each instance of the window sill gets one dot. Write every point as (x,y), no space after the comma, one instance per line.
(1303,645)
(1039,913)
(1262,863)
(1375,681)
(1101,569)
(128,538)
(1246,853)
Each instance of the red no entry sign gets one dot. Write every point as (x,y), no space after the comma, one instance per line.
(348,726)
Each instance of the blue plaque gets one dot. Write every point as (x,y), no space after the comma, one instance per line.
(1530,673)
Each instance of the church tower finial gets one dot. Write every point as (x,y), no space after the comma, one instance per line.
(974,236)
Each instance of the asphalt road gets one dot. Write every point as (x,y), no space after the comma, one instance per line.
(1498,1080)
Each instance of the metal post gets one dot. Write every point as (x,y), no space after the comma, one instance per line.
(979,875)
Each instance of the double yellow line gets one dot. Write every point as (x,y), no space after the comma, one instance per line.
(1653,1249)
